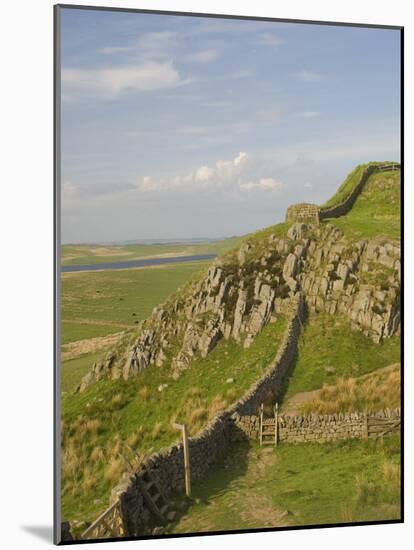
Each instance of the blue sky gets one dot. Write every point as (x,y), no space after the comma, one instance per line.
(188,127)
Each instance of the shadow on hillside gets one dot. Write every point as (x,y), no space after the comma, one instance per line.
(285,384)
(220,476)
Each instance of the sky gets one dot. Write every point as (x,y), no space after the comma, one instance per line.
(180,127)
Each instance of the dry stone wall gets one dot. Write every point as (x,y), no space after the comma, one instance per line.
(303,212)
(311,213)
(321,428)
(166,466)
(345,206)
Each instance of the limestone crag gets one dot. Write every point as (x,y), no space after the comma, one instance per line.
(236,299)
(358,279)
(243,290)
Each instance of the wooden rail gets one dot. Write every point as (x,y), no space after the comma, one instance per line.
(386,167)
(108,524)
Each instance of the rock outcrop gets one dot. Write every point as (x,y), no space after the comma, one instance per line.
(243,290)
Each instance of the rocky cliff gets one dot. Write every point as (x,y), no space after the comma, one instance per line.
(245,288)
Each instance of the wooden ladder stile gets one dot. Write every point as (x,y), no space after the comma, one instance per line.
(268,427)
(153,496)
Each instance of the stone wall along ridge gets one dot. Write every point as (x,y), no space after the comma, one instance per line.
(311,213)
(345,206)
(322,428)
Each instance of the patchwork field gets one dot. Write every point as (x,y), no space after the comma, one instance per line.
(82,254)
(100,303)
(118,298)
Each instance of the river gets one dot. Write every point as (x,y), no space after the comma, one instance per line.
(144,262)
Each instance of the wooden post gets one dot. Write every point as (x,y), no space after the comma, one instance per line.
(186,452)
(276,424)
(261,425)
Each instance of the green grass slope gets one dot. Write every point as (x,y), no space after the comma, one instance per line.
(97,423)
(376,212)
(328,349)
(342,482)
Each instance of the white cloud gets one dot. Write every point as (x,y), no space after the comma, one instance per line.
(233,175)
(308,185)
(203,56)
(150,44)
(270,39)
(204,173)
(267,184)
(307,76)
(111,81)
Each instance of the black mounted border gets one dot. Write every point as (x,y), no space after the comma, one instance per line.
(56,267)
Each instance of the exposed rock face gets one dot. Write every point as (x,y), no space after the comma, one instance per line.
(360,280)
(242,291)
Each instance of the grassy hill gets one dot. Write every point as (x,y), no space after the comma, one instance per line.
(98,423)
(376,212)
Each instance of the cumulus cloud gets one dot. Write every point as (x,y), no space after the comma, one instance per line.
(111,81)
(221,173)
(307,76)
(235,175)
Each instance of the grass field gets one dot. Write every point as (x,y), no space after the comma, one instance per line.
(328,349)
(97,423)
(73,370)
(376,211)
(301,484)
(82,254)
(96,303)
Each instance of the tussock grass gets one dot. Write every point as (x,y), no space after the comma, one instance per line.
(368,393)
(328,350)
(114,470)
(143,393)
